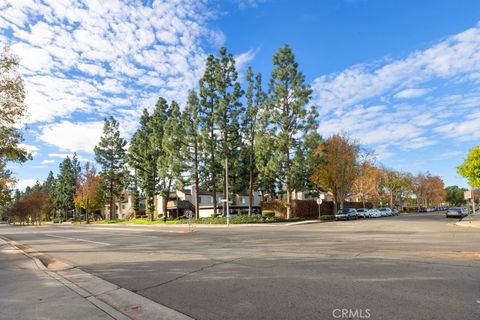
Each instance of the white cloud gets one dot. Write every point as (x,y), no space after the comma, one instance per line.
(33,150)
(47,161)
(245,4)
(411,93)
(244,58)
(453,56)
(72,136)
(363,100)
(70,52)
(22,184)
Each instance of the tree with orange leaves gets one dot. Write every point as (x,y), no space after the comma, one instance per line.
(89,195)
(339,170)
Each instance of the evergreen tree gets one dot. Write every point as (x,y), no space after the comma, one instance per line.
(157,126)
(256,99)
(171,163)
(267,163)
(208,116)
(191,127)
(65,187)
(49,187)
(77,172)
(305,161)
(110,154)
(289,96)
(228,110)
(142,158)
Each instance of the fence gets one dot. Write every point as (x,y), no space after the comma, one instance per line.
(308,208)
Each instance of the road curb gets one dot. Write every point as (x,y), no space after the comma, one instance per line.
(303,222)
(467,224)
(118,302)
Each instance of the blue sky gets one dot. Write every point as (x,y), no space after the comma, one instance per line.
(400,76)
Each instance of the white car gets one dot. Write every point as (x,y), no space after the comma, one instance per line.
(374,213)
(363,213)
(386,212)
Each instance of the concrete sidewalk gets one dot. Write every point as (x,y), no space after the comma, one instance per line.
(471,221)
(27,292)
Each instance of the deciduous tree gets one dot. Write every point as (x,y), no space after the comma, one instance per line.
(339,168)
(89,195)
(470,169)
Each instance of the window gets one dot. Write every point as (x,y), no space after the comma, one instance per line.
(123,206)
(244,200)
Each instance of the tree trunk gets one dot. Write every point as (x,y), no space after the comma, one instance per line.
(165,201)
(250,178)
(225,170)
(111,200)
(214,183)
(289,187)
(391,199)
(197,182)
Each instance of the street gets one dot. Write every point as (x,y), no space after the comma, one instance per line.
(413,266)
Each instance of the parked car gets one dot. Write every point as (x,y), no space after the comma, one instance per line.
(363,213)
(395,212)
(374,213)
(346,214)
(456,212)
(385,212)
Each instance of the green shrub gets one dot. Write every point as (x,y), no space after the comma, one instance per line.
(268,213)
(243,213)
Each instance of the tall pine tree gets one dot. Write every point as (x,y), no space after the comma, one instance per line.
(110,154)
(228,111)
(256,99)
(65,187)
(192,139)
(171,163)
(208,116)
(143,158)
(290,117)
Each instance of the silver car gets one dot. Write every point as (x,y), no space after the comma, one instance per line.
(456,213)
(346,214)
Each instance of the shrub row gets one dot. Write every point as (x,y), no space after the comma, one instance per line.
(240,219)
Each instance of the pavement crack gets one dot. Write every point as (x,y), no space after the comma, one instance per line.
(186,274)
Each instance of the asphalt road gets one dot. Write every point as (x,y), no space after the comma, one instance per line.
(415,266)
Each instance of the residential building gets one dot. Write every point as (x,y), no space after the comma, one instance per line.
(123,207)
(182,200)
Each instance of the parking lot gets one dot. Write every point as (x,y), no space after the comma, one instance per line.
(411,266)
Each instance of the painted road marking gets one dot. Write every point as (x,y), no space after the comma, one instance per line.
(77,239)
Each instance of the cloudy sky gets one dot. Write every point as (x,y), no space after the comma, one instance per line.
(401,76)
